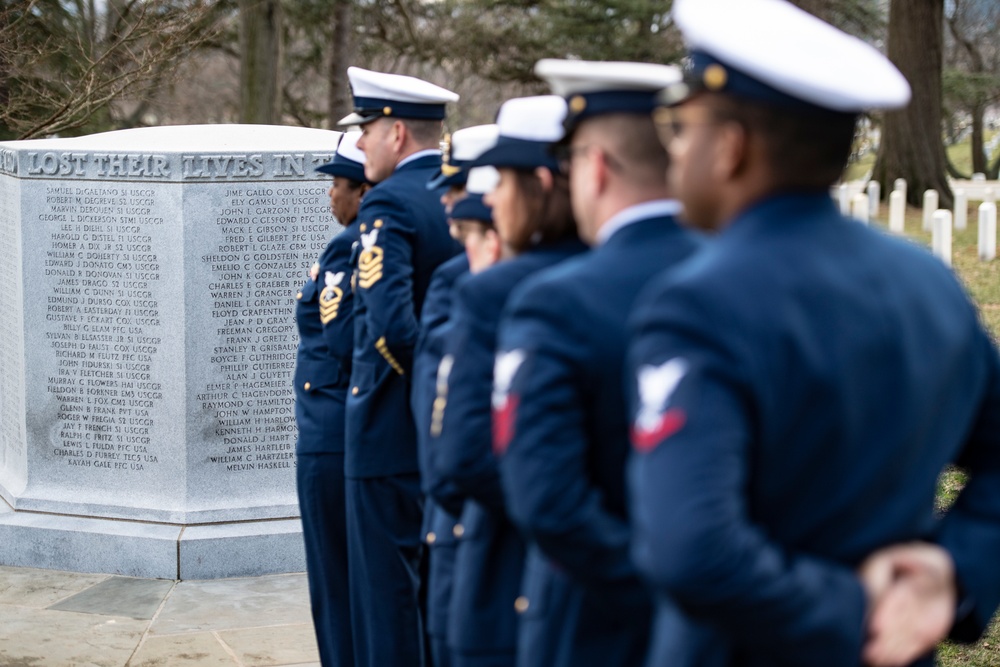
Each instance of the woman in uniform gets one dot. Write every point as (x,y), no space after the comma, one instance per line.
(322,376)
(534,223)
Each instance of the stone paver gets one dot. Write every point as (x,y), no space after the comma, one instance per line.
(119,596)
(266,647)
(228,604)
(29,587)
(43,637)
(50,618)
(202,649)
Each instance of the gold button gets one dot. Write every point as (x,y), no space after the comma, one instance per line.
(299,295)
(431,538)
(307,386)
(458,530)
(440,403)
(363,227)
(521,604)
(378,223)
(355,391)
(577,103)
(387,111)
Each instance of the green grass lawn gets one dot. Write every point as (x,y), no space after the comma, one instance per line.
(982,279)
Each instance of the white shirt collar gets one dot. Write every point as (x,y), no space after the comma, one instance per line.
(418,155)
(657,208)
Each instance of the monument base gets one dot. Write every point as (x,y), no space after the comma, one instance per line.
(150,550)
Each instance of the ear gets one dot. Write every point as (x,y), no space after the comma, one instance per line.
(544,175)
(491,240)
(732,151)
(400,135)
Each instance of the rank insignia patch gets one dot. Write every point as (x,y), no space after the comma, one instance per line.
(655,423)
(370,260)
(329,299)
(504,403)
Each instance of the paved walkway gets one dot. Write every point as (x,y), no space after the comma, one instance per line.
(65,619)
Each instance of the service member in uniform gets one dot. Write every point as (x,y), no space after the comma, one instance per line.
(800,385)
(403,239)
(562,413)
(534,222)
(472,221)
(438,525)
(322,374)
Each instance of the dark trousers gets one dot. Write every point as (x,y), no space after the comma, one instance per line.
(322,503)
(383,537)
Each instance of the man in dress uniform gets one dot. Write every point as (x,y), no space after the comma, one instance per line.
(561,412)
(800,385)
(439,525)
(403,239)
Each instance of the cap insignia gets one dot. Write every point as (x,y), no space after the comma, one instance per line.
(715,77)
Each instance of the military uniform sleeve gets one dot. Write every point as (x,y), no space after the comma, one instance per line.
(461,435)
(336,299)
(541,430)
(385,279)
(693,536)
(971,529)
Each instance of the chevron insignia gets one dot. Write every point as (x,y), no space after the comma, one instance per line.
(329,299)
(370,260)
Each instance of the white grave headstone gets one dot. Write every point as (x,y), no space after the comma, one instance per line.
(979,176)
(930,205)
(859,207)
(941,235)
(961,209)
(987,231)
(844,199)
(900,185)
(147,344)
(874,195)
(897,211)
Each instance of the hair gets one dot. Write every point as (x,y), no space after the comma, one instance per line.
(548,215)
(635,146)
(424,132)
(804,148)
(466,226)
(351,183)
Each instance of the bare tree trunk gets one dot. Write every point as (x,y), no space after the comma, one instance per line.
(912,146)
(977,147)
(341,55)
(260,61)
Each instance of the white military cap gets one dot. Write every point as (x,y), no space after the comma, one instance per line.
(377,94)
(482,180)
(348,161)
(595,88)
(462,147)
(527,128)
(776,53)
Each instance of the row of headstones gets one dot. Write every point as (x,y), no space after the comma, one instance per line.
(865,206)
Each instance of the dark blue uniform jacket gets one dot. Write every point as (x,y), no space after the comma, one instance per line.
(321,372)
(490,558)
(798,388)
(439,525)
(403,239)
(566,439)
